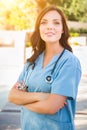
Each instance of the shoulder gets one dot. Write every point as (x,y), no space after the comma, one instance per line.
(26,65)
(72,60)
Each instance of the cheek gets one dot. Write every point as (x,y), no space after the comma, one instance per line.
(60,29)
(41,29)
(60,32)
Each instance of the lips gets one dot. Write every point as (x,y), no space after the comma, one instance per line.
(49,33)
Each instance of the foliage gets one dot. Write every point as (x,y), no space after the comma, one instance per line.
(18,15)
(41,4)
(74,34)
(78,31)
(74,9)
(77,9)
(28,44)
(21,14)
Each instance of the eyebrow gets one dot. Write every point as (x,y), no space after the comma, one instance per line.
(53,20)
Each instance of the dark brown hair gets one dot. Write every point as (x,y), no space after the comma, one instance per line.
(38,45)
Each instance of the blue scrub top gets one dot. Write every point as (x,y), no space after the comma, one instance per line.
(65,82)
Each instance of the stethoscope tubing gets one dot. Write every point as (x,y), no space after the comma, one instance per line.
(49,78)
(57,61)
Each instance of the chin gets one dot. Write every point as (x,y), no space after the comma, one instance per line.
(51,41)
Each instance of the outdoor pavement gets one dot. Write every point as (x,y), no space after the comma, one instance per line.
(81,110)
(10,114)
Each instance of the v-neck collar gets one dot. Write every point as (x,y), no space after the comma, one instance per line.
(41,60)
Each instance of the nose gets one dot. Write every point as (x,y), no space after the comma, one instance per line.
(49,26)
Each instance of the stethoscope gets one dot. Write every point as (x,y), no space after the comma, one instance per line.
(49,78)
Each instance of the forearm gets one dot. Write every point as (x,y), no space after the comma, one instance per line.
(20,97)
(38,107)
(48,106)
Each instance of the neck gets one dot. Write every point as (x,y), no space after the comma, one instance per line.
(53,50)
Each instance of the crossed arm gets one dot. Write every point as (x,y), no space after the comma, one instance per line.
(39,102)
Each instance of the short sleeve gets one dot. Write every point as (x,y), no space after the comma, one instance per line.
(22,74)
(67,81)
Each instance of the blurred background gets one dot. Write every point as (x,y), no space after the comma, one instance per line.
(17,20)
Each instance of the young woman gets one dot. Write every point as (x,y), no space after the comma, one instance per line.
(52,75)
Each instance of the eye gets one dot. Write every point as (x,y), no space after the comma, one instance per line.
(56,22)
(43,22)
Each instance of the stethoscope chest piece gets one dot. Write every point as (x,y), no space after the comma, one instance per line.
(49,79)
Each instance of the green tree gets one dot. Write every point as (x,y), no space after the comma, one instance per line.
(75,10)
(18,15)
(21,14)
(41,4)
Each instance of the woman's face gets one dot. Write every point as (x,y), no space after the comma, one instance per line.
(51,27)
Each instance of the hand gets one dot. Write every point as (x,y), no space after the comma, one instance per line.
(65,103)
(21,86)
